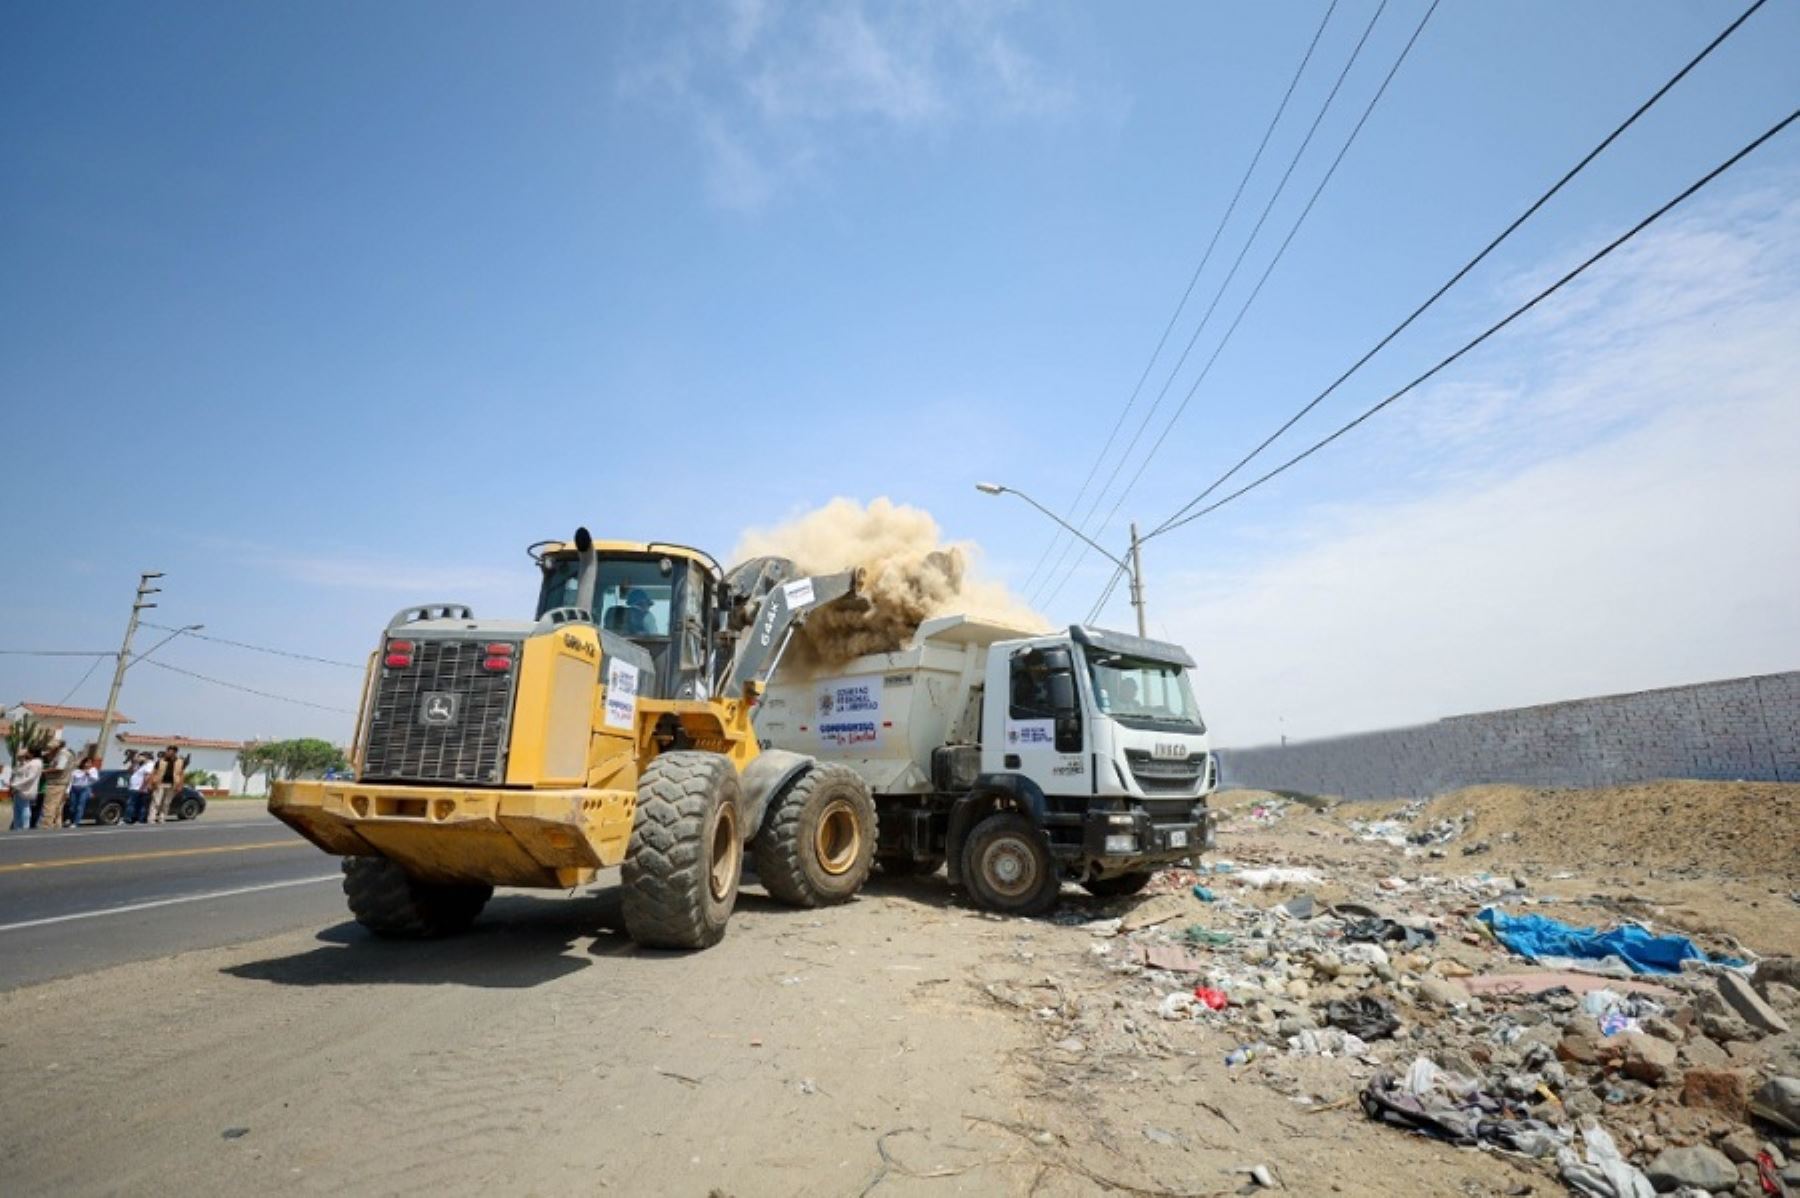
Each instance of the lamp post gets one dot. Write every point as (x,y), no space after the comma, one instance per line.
(1134,568)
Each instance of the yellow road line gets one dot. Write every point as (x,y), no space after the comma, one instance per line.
(290,843)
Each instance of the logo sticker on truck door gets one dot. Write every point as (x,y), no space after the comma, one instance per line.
(1029,733)
(850,713)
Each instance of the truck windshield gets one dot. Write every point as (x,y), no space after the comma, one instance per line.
(632,597)
(1137,689)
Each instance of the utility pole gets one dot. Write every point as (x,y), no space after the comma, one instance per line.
(112,696)
(1137,579)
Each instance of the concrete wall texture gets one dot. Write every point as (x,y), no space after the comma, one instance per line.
(1743,728)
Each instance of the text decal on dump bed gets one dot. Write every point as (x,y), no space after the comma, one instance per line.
(850,713)
(1025,734)
(621,694)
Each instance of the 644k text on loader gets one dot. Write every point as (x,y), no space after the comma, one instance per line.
(614,728)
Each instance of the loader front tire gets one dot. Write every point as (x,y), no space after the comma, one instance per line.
(686,855)
(818,841)
(395,905)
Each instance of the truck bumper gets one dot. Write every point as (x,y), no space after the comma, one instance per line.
(545,838)
(1127,842)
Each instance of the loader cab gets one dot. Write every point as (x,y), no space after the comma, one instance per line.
(660,601)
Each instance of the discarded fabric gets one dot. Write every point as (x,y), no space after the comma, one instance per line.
(1278,876)
(1378,931)
(1203,935)
(1538,936)
(1366,1018)
(1605,1173)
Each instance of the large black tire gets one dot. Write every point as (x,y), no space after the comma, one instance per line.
(1008,868)
(189,808)
(902,866)
(392,903)
(110,813)
(686,855)
(817,842)
(1117,887)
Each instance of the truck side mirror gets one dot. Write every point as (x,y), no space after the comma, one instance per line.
(1062,693)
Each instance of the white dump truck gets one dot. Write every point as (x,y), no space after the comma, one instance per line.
(1021,760)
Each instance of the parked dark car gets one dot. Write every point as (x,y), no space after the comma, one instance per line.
(107,804)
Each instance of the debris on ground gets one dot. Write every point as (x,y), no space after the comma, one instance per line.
(1618,1057)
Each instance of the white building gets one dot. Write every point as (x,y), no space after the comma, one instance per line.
(78,726)
(214,756)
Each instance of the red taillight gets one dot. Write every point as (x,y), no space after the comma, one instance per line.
(500,649)
(400,646)
(497,663)
(397,660)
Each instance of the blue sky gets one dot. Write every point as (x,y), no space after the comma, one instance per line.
(322,309)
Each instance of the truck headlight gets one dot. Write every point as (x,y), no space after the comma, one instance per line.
(1124,843)
(1120,821)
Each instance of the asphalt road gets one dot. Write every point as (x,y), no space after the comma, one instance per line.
(73,901)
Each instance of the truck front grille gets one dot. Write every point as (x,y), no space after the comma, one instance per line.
(469,747)
(1163,776)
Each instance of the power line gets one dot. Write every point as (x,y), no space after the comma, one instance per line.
(163,665)
(1268,270)
(1468,266)
(92,666)
(219,640)
(52,653)
(1497,326)
(1100,458)
(1206,317)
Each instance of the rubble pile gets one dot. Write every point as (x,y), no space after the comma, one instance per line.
(1623,1063)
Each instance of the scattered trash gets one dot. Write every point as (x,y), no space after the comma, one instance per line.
(1157,1135)
(1605,1173)
(1278,876)
(1213,1000)
(236,1133)
(1200,934)
(1301,907)
(1204,894)
(1366,1018)
(1538,938)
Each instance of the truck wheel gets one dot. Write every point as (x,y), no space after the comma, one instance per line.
(818,841)
(907,867)
(110,813)
(1117,887)
(392,903)
(1008,867)
(685,859)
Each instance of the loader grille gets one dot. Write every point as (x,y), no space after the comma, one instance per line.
(469,747)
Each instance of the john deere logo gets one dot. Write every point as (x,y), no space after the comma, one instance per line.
(437,709)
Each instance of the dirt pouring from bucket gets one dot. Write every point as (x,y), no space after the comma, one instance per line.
(913,575)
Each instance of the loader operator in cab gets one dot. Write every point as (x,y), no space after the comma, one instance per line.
(633,617)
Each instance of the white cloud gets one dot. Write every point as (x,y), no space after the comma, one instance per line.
(773,86)
(1611,503)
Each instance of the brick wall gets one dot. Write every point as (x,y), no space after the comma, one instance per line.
(1744,728)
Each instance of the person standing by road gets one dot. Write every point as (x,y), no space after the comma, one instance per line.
(26,775)
(58,762)
(137,808)
(168,777)
(81,787)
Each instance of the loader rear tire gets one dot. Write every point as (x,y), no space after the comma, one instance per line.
(686,855)
(1008,868)
(392,903)
(817,844)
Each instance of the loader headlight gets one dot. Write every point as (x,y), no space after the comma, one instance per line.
(1126,843)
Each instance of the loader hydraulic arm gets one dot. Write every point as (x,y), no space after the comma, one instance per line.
(781,609)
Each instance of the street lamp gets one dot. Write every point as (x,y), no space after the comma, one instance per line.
(1134,569)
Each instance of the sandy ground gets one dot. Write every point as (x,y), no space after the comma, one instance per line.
(900,1045)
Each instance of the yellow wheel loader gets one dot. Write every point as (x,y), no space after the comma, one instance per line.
(613,728)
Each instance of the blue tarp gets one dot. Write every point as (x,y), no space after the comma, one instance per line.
(1536,936)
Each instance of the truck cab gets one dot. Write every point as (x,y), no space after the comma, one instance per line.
(1096,737)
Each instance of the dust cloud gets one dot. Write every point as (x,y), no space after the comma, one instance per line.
(913,575)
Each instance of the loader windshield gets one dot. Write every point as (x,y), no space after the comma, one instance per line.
(1142,693)
(633,597)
